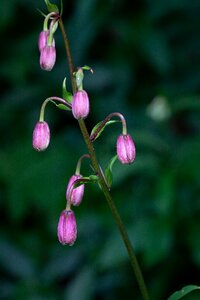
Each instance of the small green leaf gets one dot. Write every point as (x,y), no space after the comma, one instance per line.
(51,7)
(186,290)
(108,171)
(87,68)
(61,106)
(66,95)
(94,130)
(101,130)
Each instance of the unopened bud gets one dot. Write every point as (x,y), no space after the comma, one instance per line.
(125,149)
(75,195)
(67,229)
(41,136)
(80,105)
(47,57)
(43,39)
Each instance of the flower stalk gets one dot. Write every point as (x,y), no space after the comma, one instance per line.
(115,114)
(78,166)
(54,98)
(102,182)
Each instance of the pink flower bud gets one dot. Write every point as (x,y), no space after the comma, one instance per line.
(41,136)
(76,193)
(80,105)
(47,58)
(67,229)
(43,39)
(125,149)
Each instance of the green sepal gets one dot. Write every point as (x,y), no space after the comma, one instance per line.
(95,128)
(183,292)
(79,75)
(87,68)
(79,78)
(51,7)
(61,106)
(66,95)
(108,171)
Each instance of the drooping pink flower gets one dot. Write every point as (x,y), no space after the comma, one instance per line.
(125,149)
(80,105)
(75,195)
(67,228)
(41,136)
(47,58)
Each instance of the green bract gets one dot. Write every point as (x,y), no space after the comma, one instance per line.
(66,95)
(52,7)
(108,171)
(61,106)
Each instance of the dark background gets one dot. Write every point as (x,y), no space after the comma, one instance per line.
(146,57)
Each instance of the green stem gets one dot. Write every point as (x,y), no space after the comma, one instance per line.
(103,123)
(102,182)
(68,53)
(54,98)
(78,166)
(46,20)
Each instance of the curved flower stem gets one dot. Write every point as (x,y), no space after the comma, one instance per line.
(115,114)
(54,98)
(46,20)
(102,182)
(78,166)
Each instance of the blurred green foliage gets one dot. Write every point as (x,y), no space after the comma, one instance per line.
(145,56)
